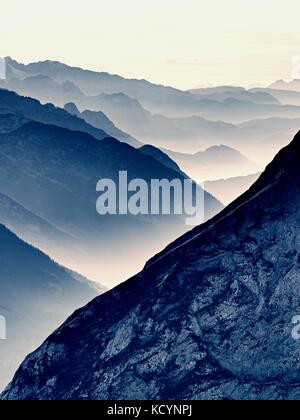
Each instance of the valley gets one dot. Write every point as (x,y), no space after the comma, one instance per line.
(151,233)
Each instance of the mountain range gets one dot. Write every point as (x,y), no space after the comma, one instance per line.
(226,190)
(290,97)
(293,85)
(93,83)
(157,99)
(101,121)
(196,321)
(33,229)
(33,110)
(221,93)
(182,121)
(214,163)
(50,168)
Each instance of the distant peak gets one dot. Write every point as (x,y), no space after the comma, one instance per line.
(71,108)
(220,148)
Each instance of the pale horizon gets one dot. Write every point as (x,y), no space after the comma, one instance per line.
(201,43)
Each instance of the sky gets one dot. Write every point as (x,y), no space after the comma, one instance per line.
(182,43)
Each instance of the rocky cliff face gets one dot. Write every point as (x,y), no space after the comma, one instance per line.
(208,318)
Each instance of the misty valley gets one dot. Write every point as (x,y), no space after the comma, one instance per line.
(149,237)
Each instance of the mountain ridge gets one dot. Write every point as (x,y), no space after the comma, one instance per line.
(214,162)
(53,172)
(197,319)
(259,186)
(101,121)
(36,295)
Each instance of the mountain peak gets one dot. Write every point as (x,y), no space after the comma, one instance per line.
(72,109)
(220,148)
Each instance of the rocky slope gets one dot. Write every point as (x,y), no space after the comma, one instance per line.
(210,317)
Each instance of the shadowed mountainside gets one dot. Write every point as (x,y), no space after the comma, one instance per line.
(36,296)
(208,318)
(53,173)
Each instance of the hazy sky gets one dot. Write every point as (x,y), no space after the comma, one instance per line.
(185,43)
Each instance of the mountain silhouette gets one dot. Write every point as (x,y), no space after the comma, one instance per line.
(32,109)
(44,88)
(242,105)
(293,85)
(101,121)
(31,228)
(159,115)
(221,93)
(160,156)
(288,97)
(214,163)
(36,296)
(91,82)
(53,173)
(210,317)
